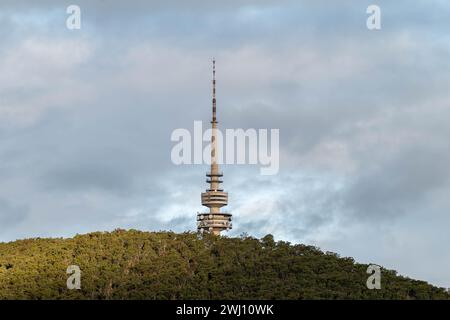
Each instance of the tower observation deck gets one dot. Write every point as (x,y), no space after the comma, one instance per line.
(214,198)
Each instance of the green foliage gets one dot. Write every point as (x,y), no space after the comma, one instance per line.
(165,265)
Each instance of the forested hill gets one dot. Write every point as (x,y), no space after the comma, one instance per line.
(165,265)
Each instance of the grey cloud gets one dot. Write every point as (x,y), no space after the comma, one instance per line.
(11,215)
(395,187)
(95,154)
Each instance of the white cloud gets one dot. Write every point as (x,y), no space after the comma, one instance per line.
(41,73)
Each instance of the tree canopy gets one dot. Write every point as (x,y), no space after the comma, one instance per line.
(166,265)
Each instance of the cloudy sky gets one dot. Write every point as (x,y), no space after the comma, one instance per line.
(86,117)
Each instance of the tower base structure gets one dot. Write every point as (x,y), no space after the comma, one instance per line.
(214,222)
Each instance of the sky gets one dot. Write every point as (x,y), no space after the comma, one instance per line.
(86,118)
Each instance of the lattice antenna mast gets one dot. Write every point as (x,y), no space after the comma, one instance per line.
(214,119)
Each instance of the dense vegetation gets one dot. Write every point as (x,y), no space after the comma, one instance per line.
(165,265)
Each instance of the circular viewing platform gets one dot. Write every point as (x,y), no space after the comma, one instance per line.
(214,198)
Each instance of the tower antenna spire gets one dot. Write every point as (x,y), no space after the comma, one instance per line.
(214,120)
